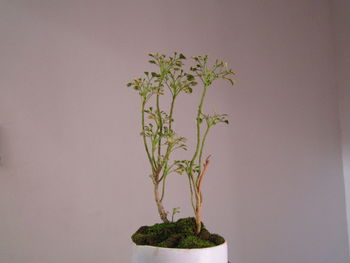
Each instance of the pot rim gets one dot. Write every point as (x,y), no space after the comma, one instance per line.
(175,248)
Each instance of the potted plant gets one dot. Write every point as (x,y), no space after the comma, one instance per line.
(187,239)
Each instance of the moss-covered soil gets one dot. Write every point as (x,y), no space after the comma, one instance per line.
(179,234)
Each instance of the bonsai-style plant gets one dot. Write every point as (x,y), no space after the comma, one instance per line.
(168,82)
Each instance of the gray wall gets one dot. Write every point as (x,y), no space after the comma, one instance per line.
(341,21)
(74,185)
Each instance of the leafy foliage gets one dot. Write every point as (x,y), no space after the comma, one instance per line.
(160,139)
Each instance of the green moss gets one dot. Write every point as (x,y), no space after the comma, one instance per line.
(181,234)
(139,239)
(204,234)
(171,241)
(164,229)
(216,239)
(142,230)
(187,225)
(194,242)
(154,239)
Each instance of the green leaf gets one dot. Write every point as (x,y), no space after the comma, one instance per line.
(189,77)
(182,56)
(188,90)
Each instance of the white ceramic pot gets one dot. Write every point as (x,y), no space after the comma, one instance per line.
(150,254)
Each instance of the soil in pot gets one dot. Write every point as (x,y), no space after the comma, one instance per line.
(179,234)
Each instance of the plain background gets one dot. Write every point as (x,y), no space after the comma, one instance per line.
(74,178)
(341,18)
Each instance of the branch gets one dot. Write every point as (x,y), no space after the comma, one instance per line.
(203,173)
(202,146)
(144,137)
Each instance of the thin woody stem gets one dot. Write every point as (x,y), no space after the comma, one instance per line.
(202,147)
(161,210)
(198,195)
(203,173)
(191,191)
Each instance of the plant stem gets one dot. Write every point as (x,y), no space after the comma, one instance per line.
(196,186)
(195,191)
(198,214)
(171,111)
(191,192)
(161,210)
(166,158)
(199,201)
(199,112)
(203,173)
(201,150)
(144,136)
(160,127)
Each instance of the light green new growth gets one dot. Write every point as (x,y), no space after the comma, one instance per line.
(159,138)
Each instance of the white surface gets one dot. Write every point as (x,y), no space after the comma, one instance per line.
(149,254)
